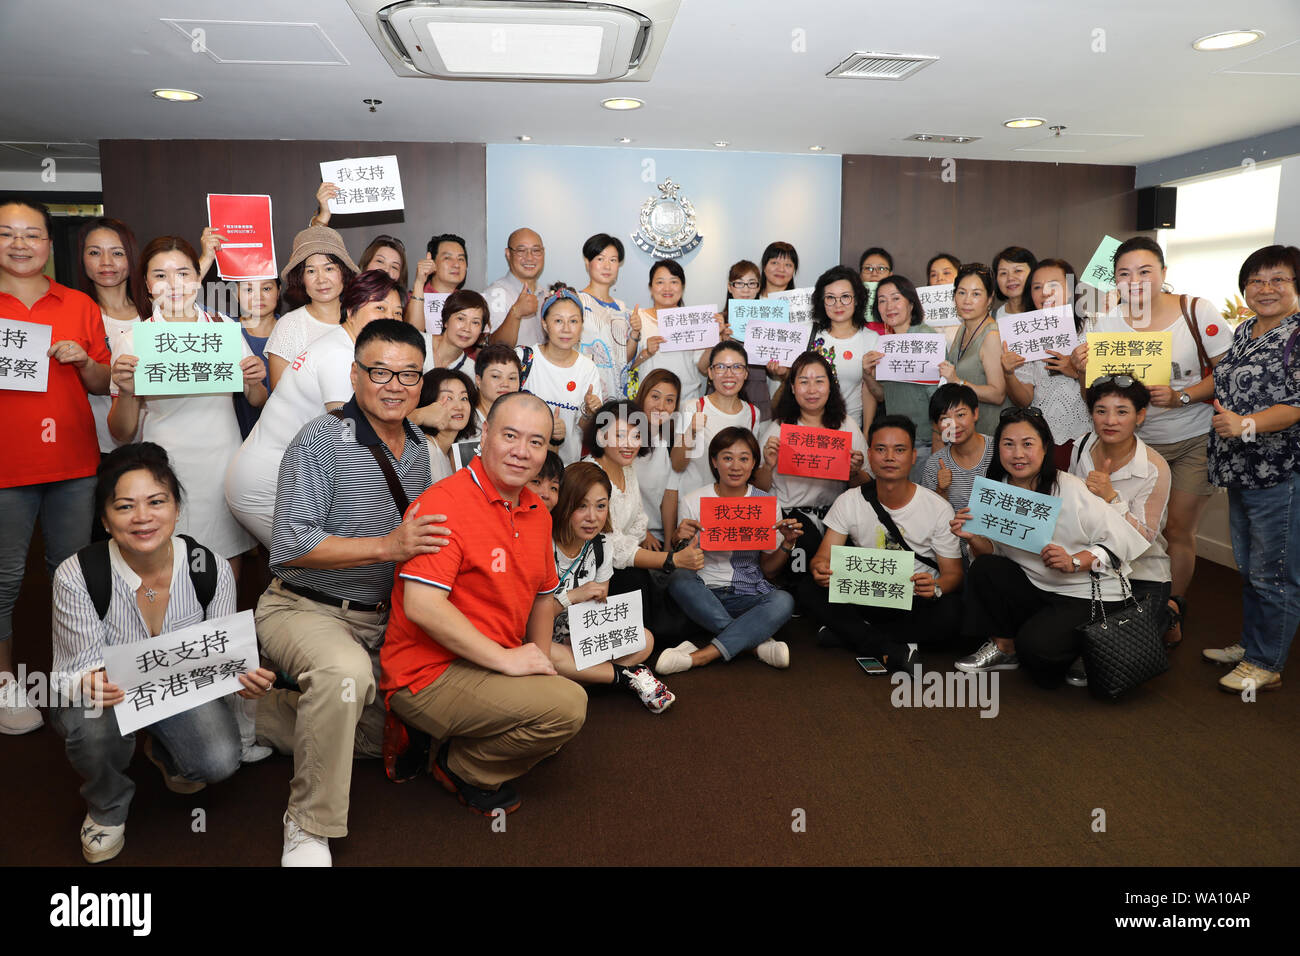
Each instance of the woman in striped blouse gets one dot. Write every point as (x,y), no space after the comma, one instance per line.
(152,584)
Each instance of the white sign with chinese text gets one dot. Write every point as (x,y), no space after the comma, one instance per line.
(606,631)
(178,671)
(369,184)
(24,359)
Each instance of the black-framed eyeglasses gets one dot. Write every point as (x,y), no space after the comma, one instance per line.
(1123,381)
(382,376)
(848,298)
(1020,414)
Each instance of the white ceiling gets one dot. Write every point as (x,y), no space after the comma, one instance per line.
(76,72)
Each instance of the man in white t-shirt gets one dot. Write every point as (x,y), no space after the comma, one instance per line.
(922,519)
(513,299)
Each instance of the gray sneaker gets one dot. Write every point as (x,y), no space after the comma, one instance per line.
(988,658)
(1232,654)
(1077,675)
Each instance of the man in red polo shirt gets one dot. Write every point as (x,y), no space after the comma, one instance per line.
(466,657)
(51,450)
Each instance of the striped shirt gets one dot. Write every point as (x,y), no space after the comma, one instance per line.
(80,636)
(963,479)
(331,486)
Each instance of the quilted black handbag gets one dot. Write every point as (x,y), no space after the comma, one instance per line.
(1123,649)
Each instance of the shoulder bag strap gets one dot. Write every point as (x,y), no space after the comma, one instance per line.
(869,495)
(390,475)
(1189,318)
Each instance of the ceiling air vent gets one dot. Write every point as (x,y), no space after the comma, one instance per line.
(880,66)
(567,40)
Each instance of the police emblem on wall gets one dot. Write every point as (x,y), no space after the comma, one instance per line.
(667,224)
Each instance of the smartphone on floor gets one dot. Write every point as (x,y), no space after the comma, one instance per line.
(872,666)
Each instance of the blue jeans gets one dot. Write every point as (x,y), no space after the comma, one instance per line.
(66,512)
(1265,526)
(200,744)
(716,609)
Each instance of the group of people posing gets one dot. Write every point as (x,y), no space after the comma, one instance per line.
(434,489)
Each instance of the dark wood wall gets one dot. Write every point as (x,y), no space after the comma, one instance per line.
(1054,210)
(159,187)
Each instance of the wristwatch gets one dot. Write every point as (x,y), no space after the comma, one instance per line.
(669,565)
(1077,564)
(938,591)
(1184,398)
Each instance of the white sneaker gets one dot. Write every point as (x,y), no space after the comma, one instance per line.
(302,848)
(676,659)
(245,711)
(100,843)
(1232,654)
(17,715)
(774,652)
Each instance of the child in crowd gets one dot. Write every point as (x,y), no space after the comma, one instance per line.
(549,481)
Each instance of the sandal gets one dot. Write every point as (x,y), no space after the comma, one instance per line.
(1176,619)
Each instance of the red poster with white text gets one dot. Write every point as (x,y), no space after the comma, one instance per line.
(248,245)
(814,452)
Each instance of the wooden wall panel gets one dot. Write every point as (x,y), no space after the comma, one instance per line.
(1052,209)
(160,186)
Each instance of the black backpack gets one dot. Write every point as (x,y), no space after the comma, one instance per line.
(98,573)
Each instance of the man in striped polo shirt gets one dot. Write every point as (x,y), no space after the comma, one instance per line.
(345,482)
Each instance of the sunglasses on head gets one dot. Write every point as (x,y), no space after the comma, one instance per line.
(1123,381)
(1020,414)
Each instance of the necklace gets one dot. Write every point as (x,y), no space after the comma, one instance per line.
(966,343)
(150,593)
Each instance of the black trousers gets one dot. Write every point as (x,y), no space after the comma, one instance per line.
(666,622)
(883,631)
(1001,601)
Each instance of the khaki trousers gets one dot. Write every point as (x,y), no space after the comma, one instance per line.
(499,726)
(334,655)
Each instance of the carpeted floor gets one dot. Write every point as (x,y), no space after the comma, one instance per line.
(813,765)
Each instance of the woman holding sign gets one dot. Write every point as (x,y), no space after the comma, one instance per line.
(144,582)
(1051,384)
(314,277)
(584,561)
(455,396)
(1028,605)
(1255,454)
(1178,423)
(810,399)
(898,309)
(731,597)
(974,358)
(198,429)
(690,366)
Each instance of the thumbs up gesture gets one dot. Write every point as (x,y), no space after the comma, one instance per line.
(1098,481)
(945,477)
(591,401)
(1227,424)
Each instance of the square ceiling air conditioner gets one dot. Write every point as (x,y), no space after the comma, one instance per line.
(519,39)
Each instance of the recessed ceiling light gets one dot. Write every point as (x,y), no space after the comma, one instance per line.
(1227,40)
(624,140)
(816,149)
(524,139)
(622,103)
(961,139)
(177,96)
(721,144)
(1024,122)
(923,137)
